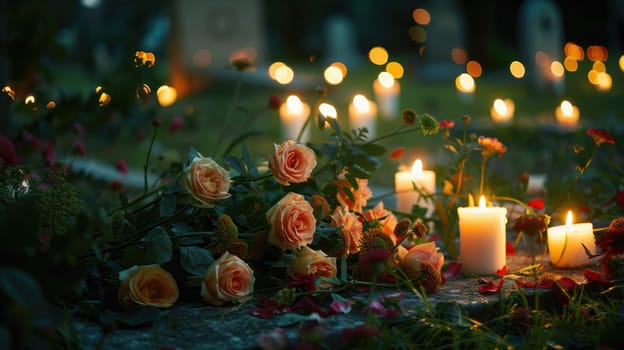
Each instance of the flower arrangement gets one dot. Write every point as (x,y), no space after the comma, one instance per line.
(305,222)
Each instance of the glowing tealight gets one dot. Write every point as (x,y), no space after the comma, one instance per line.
(567,243)
(362,114)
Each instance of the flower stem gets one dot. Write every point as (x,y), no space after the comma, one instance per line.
(147,159)
(228,116)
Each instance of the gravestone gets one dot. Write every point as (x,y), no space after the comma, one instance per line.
(541,42)
(445,32)
(341,41)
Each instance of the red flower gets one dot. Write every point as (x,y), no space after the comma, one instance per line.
(600,136)
(536,203)
(612,240)
(304,282)
(447,124)
(491,287)
(397,153)
(510,249)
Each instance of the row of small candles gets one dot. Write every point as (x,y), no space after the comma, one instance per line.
(362,111)
(482,229)
(566,114)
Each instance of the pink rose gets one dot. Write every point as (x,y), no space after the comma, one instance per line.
(292,162)
(229,279)
(350,223)
(206,181)
(292,222)
(425,252)
(315,263)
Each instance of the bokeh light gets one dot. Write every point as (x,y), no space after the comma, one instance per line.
(328,110)
(459,55)
(396,69)
(599,67)
(556,68)
(621,63)
(333,75)
(361,103)
(284,75)
(574,51)
(273,67)
(597,53)
(570,64)
(516,68)
(474,69)
(421,16)
(30,99)
(465,83)
(166,95)
(378,55)
(604,81)
(294,104)
(418,34)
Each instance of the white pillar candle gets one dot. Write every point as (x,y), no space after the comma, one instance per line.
(293,115)
(362,114)
(406,196)
(482,238)
(387,91)
(567,114)
(565,243)
(502,111)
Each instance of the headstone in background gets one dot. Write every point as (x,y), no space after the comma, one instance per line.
(445,32)
(206,33)
(341,41)
(541,42)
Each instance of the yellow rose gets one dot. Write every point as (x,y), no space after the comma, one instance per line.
(292,222)
(313,262)
(147,285)
(206,181)
(292,162)
(229,279)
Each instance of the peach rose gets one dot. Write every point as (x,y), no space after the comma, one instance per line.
(147,285)
(206,181)
(292,222)
(313,262)
(350,223)
(229,279)
(385,217)
(424,252)
(292,162)
(360,196)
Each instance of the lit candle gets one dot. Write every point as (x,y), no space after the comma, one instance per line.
(567,114)
(387,91)
(565,243)
(482,238)
(406,196)
(465,85)
(502,111)
(362,113)
(293,115)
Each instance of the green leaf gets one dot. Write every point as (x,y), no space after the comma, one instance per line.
(235,164)
(167,204)
(20,286)
(158,248)
(451,148)
(195,260)
(373,149)
(136,317)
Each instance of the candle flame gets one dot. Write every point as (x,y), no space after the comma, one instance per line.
(569,218)
(482,202)
(566,108)
(361,103)
(500,106)
(294,104)
(328,111)
(417,168)
(386,79)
